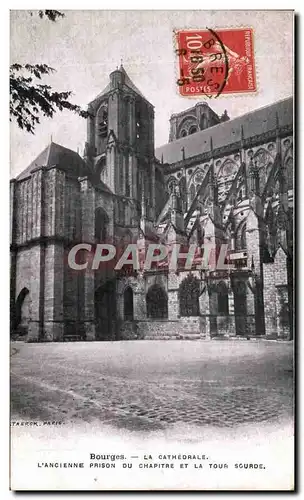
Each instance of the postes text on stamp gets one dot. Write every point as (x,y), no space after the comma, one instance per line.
(214,62)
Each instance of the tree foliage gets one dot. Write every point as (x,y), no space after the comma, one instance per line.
(52,15)
(29,97)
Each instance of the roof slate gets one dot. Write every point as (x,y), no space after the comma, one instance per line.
(254,123)
(55,154)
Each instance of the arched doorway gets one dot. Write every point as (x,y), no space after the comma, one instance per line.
(240,308)
(222,299)
(22,312)
(189,297)
(105,311)
(157,302)
(128,304)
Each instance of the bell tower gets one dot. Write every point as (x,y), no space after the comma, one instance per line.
(120,141)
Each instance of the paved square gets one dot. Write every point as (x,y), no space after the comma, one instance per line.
(140,385)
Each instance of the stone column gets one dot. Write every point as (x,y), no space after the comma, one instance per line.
(120,306)
(213,309)
(204,313)
(53,292)
(89,304)
(40,203)
(283,320)
(36,331)
(173,305)
(232,330)
(88,229)
(139,306)
(113,113)
(132,121)
(173,128)
(152,201)
(251,305)
(133,175)
(13,216)
(173,300)
(269,300)
(91,128)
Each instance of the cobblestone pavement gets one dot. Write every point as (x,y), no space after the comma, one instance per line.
(148,385)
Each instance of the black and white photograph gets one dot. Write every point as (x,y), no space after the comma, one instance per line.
(151,250)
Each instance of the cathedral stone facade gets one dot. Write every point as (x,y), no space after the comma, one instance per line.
(217,181)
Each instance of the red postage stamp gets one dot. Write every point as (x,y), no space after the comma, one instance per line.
(214,62)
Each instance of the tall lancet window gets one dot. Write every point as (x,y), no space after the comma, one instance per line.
(101,225)
(101,124)
(128,304)
(189,296)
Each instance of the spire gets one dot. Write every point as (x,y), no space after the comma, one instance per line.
(277,122)
(143,202)
(224,117)
(242,145)
(211,144)
(242,136)
(213,187)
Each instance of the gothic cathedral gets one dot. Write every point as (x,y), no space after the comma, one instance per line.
(218,180)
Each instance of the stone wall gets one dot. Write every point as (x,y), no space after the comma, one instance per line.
(276,300)
(184,328)
(28,275)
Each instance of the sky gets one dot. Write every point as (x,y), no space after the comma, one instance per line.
(85,46)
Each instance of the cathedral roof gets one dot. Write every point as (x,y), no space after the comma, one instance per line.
(55,154)
(254,123)
(128,84)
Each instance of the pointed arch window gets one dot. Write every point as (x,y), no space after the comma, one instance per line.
(289,168)
(183,192)
(241,238)
(103,122)
(138,121)
(128,304)
(203,122)
(101,225)
(157,302)
(192,193)
(222,298)
(189,297)
(22,311)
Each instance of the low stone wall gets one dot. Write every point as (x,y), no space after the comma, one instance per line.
(182,328)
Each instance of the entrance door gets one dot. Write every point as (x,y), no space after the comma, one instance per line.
(105,311)
(22,313)
(240,308)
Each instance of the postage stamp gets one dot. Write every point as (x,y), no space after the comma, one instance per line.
(214,62)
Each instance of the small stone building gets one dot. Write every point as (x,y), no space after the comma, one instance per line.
(217,181)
